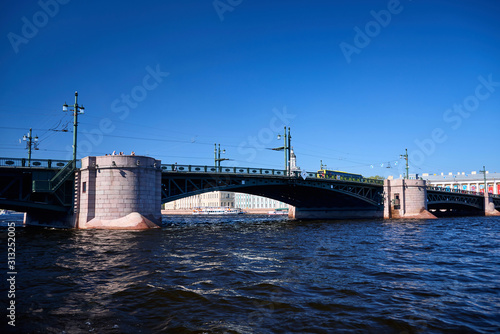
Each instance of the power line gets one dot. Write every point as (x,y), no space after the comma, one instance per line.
(381,163)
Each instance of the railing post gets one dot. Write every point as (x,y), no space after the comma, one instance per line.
(49,163)
(23,162)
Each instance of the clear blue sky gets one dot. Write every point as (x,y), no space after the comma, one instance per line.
(357,81)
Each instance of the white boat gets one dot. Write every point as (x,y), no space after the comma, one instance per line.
(217,211)
(283,211)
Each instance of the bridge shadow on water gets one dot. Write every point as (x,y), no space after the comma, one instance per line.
(450,213)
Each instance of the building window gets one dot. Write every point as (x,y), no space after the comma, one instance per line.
(84,187)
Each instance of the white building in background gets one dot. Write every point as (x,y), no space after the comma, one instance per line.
(473,181)
(247,201)
(211,199)
(224,198)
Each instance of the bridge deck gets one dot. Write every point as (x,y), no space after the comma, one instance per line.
(255,171)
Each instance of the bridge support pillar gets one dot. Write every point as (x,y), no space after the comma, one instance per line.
(489,206)
(118,192)
(406,199)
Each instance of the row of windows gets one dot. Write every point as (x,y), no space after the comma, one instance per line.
(228,199)
(214,195)
(260,206)
(470,186)
(254,199)
(266,202)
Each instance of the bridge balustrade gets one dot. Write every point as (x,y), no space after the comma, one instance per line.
(260,171)
(213,169)
(35,163)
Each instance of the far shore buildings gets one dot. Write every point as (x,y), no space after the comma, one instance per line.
(211,199)
(473,181)
(224,198)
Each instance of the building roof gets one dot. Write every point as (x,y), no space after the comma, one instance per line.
(461,176)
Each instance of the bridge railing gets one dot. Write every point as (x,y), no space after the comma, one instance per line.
(35,163)
(456,191)
(340,178)
(260,171)
(225,170)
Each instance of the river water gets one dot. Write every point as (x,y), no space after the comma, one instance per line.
(250,274)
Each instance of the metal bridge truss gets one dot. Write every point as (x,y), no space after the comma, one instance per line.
(455,198)
(44,185)
(369,193)
(16,193)
(176,185)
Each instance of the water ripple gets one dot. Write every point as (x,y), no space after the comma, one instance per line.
(262,275)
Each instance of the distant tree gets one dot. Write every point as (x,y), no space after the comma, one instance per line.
(377,177)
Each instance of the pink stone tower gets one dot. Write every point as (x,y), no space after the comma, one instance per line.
(118,192)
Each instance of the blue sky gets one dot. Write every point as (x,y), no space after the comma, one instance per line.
(357,81)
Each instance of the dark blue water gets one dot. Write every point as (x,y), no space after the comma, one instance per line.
(259,275)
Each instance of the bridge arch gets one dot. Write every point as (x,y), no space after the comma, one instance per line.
(444,203)
(293,191)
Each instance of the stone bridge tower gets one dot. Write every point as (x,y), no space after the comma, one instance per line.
(406,199)
(118,191)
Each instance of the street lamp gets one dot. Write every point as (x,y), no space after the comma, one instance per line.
(322,166)
(406,158)
(217,158)
(30,142)
(76,110)
(285,148)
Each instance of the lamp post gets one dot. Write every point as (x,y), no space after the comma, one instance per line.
(321,165)
(285,148)
(30,142)
(217,158)
(76,110)
(406,158)
(289,153)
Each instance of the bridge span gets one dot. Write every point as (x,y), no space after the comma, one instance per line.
(104,190)
(310,194)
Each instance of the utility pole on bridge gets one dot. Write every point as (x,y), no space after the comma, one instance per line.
(286,148)
(76,110)
(30,142)
(217,157)
(406,158)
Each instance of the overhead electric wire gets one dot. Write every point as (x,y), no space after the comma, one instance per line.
(48,133)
